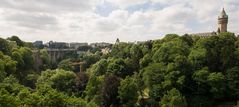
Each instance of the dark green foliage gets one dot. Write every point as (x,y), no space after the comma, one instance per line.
(27,57)
(170,37)
(217,83)
(89,59)
(7,64)
(136,55)
(169,50)
(17,40)
(232,79)
(54,88)
(173,98)
(99,68)
(93,87)
(59,79)
(81,81)
(121,50)
(128,92)
(200,101)
(197,58)
(146,60)
(176,71)
(66,65)
(118,67)
(7,100)
(46,64)
(4,46)
(109,91)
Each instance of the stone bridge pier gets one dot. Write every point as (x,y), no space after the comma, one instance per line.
(56,54)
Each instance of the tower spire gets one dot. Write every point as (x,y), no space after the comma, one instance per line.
(222,21)
(223,13)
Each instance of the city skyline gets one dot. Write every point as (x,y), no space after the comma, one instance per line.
(105,21)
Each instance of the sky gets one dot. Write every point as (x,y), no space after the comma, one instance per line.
(106,20)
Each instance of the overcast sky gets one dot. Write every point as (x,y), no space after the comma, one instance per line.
(106,20)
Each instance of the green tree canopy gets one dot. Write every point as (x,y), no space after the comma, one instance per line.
(58,79)
(173,98)
(128,92)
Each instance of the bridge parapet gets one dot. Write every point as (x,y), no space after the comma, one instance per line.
(56,54)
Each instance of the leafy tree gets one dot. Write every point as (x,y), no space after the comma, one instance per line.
(169,50)
(17,56)
(146,47)
(9,64)
(197,58)
(89,59)
(109,91)
(7,100)
(93,88)
(200,101)
(9,89)
(30,79)
(117,67)
(27,57)
(78,102)
(187,38)
(212,46)
(4,46)
(17,40)
(99,68)
(121,50)
(159,78)
(145,61)
(2,71)
(170,37)
(217,83)
(237,104)
(81,81)
(173,98)
(232,79)
(58,79)
(153,76)
(227,56)
(29,45)
(136,55)
(200,77)
(45,59)
(128,92)
(66,65)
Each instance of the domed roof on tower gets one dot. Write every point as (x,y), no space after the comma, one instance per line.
(223,14)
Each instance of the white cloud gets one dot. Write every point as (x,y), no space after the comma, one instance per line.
(76,20)
(126,3)
(168,2)
(49,5)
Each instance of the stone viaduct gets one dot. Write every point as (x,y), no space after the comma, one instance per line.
(54,55)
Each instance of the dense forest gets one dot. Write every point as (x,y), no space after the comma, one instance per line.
(175,71)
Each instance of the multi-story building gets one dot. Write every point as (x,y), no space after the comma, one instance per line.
(101,44)
(76,45)
(57,45)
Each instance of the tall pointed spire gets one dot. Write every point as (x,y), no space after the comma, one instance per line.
(222,21)
(223,10)
(223,14)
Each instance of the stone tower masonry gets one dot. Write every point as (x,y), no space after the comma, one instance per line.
(222,21)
